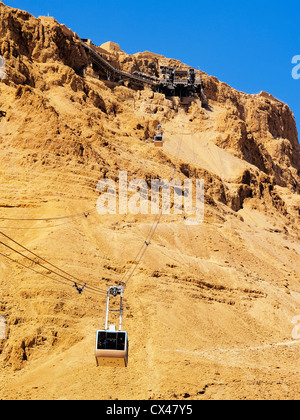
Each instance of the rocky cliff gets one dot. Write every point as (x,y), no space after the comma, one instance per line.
(239,271)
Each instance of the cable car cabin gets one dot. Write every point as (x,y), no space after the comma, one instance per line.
(112,345)
(158,141)
(112,348)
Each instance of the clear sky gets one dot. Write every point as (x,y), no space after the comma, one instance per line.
(249,45)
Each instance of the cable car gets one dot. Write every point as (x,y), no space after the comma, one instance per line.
(111,345)
(112,348)
(158,139)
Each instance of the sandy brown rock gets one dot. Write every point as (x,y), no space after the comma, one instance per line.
(209,310)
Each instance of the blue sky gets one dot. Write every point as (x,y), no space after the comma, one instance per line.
(249,45)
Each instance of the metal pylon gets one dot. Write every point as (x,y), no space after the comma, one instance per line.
(115,291)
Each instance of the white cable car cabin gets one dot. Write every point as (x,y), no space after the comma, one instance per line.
(158,139)
(112,345)
(112,348)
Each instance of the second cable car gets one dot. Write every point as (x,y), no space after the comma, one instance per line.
(158,139)
(111,345)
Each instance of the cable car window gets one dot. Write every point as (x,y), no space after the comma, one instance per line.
(111,341)
(101,340)
(121,341)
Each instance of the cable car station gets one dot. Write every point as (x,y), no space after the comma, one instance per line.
(184,82)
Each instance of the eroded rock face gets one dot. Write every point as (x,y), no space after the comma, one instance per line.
(63,132)
(42,54)
(260,129)
(38,39)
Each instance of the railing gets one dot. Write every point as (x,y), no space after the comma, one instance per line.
(100,60)
(140,77)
